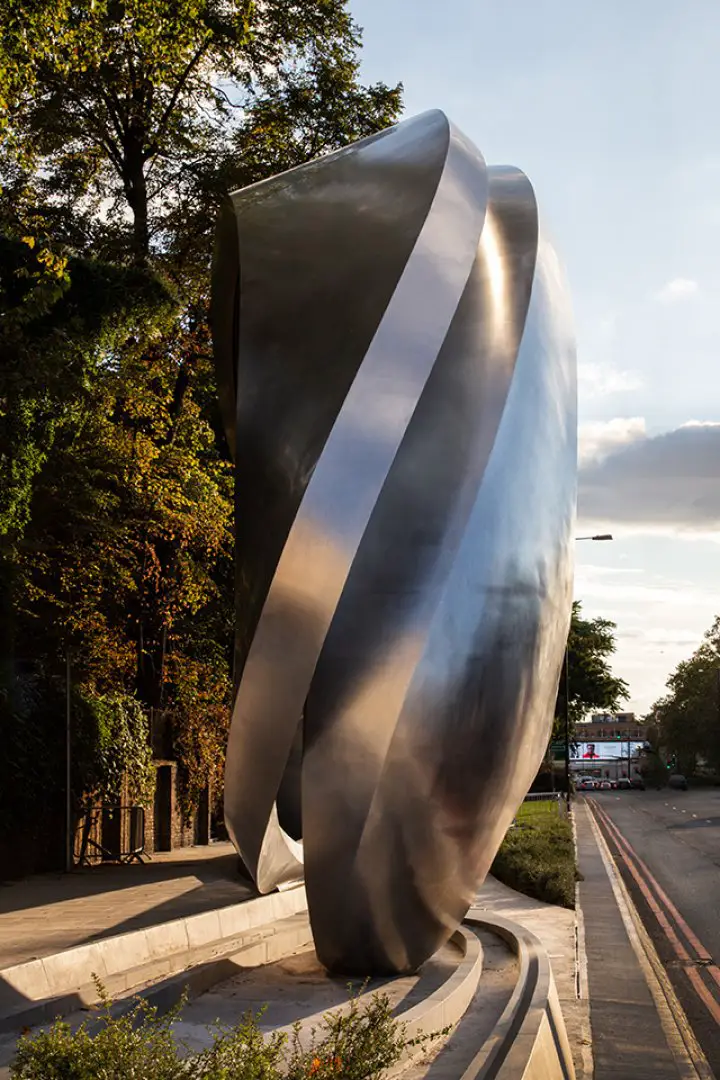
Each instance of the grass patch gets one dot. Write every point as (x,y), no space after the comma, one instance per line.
(537,810)
(537,856)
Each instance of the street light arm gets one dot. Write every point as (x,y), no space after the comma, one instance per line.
(566,677)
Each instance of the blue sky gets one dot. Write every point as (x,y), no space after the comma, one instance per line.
(613,111)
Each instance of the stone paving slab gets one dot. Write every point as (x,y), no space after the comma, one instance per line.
(51,912)
(628,1037)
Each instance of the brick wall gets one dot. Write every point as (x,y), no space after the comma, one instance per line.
(110,829)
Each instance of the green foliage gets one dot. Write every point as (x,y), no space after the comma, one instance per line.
(32,772)
(134,103)
(125,124)
(200,718)
(356,1043)
(531,812)
(591,643)
(136,1046)
(359,1042)
(653,763)
(55,330)
(685,723)
(112,736)
(240,1052)
(538,858)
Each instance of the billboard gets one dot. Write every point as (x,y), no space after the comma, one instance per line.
(605,751)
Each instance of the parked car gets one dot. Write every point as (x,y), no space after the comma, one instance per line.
(605,785)
(637,783)
(624,784)
(678,782)
(585,783)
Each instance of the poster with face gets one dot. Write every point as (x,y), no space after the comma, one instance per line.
(605,751)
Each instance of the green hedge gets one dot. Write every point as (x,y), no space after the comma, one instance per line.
(538,858)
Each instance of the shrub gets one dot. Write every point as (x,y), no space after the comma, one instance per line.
(112,747)
(356,1043)
(136,1046)
(538,859)
(240,1052)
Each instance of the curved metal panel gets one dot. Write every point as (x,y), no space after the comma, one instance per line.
(405,440)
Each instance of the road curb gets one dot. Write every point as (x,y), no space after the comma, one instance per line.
(581,969)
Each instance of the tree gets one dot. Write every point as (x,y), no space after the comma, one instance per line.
(687,718)
(125,124)
(53,334)
(133,107)
(591,643)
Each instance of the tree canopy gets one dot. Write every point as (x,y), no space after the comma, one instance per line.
(686,720)
(123,123)
(592,685)
(138,114)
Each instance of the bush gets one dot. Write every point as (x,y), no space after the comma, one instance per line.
(538,859)
(356,1043)
(136,1046)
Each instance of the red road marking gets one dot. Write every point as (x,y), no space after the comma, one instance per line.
(681,952)
(703,954)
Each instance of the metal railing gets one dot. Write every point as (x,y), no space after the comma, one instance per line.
(125,844)
(537,804)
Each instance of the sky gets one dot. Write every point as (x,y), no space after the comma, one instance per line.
(613,111)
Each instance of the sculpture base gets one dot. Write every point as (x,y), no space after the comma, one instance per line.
(485,1005)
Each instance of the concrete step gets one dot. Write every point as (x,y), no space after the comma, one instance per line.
(39,990)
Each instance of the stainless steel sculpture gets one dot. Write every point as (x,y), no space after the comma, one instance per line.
(397,374)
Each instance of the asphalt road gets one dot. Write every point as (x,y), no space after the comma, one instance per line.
(674,849)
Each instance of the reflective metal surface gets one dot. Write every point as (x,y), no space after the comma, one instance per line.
(397,375)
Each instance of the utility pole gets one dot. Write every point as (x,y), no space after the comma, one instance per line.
(68,794)
(566,710)
(597,536)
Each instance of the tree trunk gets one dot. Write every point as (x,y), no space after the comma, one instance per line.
(135,186)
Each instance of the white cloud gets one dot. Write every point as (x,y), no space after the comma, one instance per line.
(598,439)
(660,621)
(599,380)
(676,289)
(669,481)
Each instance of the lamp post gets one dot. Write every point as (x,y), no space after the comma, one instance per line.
(566,692)
(69,838)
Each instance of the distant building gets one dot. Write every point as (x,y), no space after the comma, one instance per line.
(608,745)
(608,726)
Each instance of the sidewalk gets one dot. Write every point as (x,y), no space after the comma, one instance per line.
(52,912)
(49,913)
(630,1037)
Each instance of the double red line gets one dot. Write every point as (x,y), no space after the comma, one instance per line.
(671,921)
